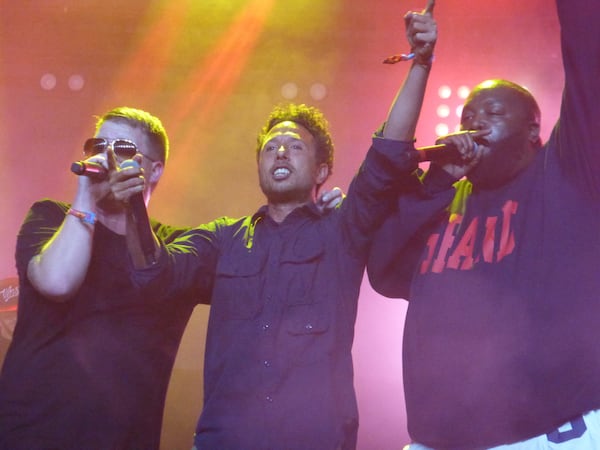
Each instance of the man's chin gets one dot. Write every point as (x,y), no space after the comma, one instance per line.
(286,196)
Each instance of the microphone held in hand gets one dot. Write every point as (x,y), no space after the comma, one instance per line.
(140,217)
(90,169)
(442,153)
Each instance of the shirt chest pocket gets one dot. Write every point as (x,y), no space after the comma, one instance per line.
(309,304)
(301,271)
(238,284)
(308,339)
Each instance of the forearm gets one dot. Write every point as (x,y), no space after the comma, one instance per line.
(389,168)
(580,111)
(58,271)
(404,113)
(399,243)
(421,33)
(185,266)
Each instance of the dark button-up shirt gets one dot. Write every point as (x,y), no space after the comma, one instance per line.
(278,367)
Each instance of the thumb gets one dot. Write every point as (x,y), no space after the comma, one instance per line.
(111,160)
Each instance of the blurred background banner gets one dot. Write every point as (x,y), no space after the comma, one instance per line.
(212,70)
(9,293)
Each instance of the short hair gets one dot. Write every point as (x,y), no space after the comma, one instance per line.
(525,95)
(310,118)
(149,124)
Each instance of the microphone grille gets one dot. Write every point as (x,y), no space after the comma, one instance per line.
(130,163)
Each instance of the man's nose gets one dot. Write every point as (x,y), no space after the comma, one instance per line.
(478,122)
(281,151)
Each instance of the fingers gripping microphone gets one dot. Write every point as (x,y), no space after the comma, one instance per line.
(89,169)
(140,218)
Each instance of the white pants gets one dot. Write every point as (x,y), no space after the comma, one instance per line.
(582,433)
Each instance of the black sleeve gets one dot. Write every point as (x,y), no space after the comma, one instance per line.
(577,133)
(399,242)
(167,233)
(39,226)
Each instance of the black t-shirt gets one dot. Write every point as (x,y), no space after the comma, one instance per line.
(91,372)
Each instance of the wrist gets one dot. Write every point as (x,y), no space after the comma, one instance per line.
(424,61)
(86,217)
(424,55)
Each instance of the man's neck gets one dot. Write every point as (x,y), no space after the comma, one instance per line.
(114,221)
(279,211)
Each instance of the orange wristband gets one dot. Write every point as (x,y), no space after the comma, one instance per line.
(84,216)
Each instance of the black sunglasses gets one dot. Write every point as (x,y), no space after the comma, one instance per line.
(123,148)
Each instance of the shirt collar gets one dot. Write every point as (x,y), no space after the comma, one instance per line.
(308,209)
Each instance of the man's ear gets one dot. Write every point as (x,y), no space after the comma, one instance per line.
(322,173)
(534,133)
(157,170)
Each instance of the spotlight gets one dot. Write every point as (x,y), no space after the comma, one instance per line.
(441,129)
(76,82)
(443,111)
(289,90)
(463,92)
(48,81)
(318,91)
(445,91)
(459,110)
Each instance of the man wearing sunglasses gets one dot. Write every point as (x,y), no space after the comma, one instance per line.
(90,359)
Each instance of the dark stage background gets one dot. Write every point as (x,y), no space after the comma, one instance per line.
(212,70)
